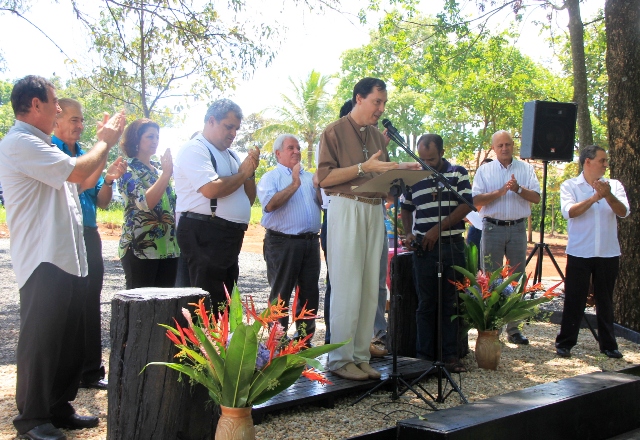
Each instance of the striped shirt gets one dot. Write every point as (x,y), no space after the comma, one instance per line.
(300,214)
(492,176)
(422,198)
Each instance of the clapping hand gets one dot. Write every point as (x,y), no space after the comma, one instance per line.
(166,161)
(512,184)
(116,170)
(603,189)
(110,129)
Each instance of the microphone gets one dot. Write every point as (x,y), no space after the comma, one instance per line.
(389,126)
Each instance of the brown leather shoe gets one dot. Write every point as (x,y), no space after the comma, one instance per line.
(351,372)
(377,352)
(371,372)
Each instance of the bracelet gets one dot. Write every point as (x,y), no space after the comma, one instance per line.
(109,184)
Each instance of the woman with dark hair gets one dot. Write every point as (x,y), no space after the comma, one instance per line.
(148,247)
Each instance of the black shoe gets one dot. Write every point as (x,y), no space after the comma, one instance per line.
(75,421)
(44,432)
(100,384)
(518,338)
(563,352)
(613,354)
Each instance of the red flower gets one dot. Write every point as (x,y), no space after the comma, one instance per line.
(312,374)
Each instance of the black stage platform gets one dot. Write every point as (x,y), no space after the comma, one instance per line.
(305,391)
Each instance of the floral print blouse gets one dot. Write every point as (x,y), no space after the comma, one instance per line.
(151,233)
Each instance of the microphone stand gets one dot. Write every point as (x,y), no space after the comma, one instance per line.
(438,366)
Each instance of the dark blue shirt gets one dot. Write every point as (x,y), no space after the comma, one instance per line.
(89,197)
(422,198)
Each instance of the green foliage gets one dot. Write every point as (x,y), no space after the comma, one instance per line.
(6,112)
(305,113)
(150,50)
(463,88)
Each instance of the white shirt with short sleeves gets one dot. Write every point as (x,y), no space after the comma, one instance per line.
(594,233)
(193,169)
(492,176)
(43,210)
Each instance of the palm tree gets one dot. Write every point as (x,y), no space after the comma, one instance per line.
(305,112)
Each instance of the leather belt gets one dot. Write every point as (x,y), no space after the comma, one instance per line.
(215,220)
(368,200)
(308,236)
(504,222)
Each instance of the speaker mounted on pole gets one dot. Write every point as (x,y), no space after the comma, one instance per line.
(548,130)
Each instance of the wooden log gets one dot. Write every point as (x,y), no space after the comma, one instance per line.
(407,304)
(153,404)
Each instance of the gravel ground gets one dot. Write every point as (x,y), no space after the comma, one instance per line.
(521,366)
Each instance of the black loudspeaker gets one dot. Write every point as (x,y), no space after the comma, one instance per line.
(548,130)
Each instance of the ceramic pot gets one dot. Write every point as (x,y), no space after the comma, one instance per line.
(235,424)
(488,349)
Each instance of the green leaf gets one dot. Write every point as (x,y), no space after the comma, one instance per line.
(217,364)
(262,379)
(239,367)
(235,309)
(288,378)
(197,376)
(314,352)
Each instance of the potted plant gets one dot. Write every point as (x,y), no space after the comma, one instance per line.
(492,299)
(243,357)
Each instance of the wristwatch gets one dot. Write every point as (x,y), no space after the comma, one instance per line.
(519,189)
(360,170)
(108,184)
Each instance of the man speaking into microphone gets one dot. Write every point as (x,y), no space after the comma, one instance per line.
(352,152)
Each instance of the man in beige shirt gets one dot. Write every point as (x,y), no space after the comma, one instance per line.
(352,152)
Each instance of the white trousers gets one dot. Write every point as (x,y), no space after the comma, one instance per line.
(354,245)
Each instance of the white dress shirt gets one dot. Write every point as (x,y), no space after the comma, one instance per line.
(492,176)
(43,209)
(193,169)
(300,214)
(594,233)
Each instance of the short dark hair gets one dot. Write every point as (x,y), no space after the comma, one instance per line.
(589,152)
(366,85)
(221,108)
(346,108)
(133,133)
(426,139)
(27,88)
(486,160)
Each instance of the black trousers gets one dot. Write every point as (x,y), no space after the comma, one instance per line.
(327,294)
(604,272)
(211,252)
(93,370)
(294,262)
(50,349)
(145,272)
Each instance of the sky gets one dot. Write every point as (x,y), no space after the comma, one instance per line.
(311,41)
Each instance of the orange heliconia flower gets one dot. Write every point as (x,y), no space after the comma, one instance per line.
(312,374)
(295,345)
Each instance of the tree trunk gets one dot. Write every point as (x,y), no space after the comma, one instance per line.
(153,404)
(623,67)
(580,92)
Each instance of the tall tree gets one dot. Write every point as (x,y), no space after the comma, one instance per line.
(305,112)
(149,49)
(623,67)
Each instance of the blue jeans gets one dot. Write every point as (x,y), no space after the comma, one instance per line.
(425,271)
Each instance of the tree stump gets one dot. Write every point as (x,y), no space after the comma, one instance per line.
(153,404)
(407,304)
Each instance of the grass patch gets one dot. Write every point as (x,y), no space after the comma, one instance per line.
(3,215)
(113,215)
(256,214)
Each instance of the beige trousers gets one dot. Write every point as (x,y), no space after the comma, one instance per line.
(353,259)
